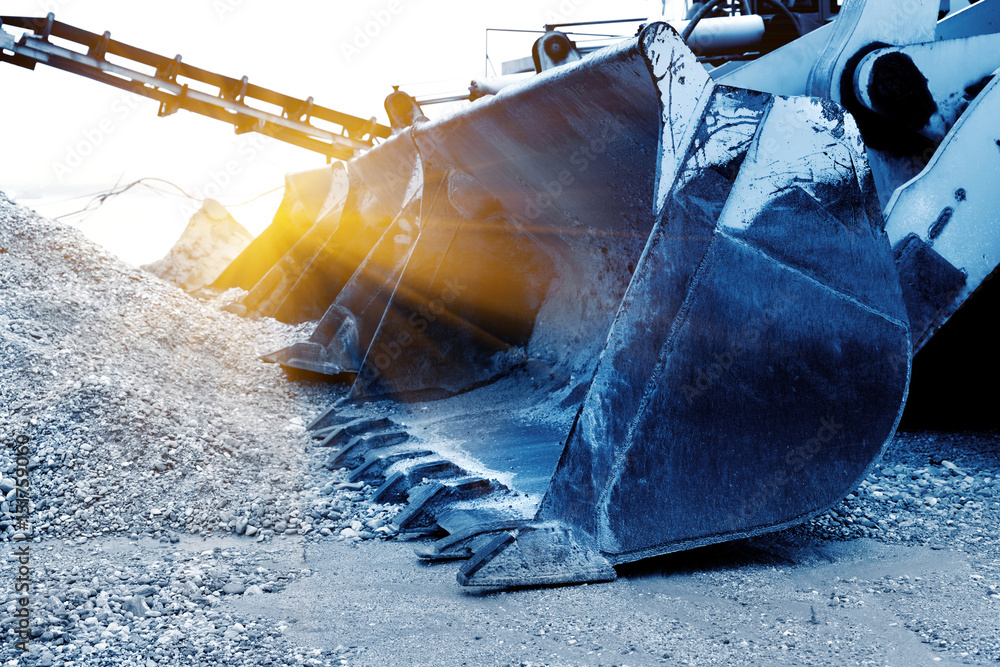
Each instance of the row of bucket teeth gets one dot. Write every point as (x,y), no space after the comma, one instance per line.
(428,484)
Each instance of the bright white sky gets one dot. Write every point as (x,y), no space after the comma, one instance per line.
(65,136)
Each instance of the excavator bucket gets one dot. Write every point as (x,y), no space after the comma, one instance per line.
(617,310)
(491,261)
(297,265)
(302,207)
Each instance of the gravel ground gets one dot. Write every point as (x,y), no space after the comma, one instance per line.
(149,415)
(916,496)
(181,515)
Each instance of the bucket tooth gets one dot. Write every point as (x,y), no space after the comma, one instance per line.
(377,462)
(462,546)
(305,350)
(468,531)
(396,488)
(340,413)
(328,417)
(542,554)
(466,520)
(354,453)
(339,355)
(356,426)
(430,499)
(324,433)
(339,436)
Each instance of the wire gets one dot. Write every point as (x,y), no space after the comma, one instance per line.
(260,196)
(486,52)
(98,199)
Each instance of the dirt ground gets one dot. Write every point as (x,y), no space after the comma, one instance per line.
(858,602)
(769,601)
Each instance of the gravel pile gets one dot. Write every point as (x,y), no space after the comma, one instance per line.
(150,415)
(915,496)
(149,412)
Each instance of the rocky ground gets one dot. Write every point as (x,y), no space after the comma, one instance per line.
(181,515)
